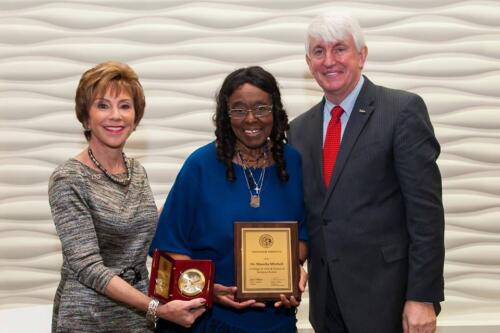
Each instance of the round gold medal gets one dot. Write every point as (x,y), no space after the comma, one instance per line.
(191,282)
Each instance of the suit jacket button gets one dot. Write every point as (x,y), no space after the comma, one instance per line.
(325,221)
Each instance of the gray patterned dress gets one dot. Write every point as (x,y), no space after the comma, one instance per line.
(104,228)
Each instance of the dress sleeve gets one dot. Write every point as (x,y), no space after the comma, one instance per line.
(75,227)
(173,233)
(303,236)
(295,172)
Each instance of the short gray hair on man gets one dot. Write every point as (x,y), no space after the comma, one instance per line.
(335,26)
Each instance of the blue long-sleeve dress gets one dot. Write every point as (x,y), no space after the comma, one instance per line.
(197,220)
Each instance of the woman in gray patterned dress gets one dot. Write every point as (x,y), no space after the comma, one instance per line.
(105,216)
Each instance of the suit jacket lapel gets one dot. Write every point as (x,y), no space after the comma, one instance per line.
(316,147)
(361,112)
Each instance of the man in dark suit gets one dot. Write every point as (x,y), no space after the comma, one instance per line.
(372,193)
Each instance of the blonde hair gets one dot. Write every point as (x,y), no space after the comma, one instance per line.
(112,75)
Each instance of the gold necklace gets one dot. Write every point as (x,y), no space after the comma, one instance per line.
(251,162)
(254,187)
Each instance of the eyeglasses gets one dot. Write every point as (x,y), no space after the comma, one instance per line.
(259,111)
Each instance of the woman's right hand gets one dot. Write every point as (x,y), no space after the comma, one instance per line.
(183,313)
(225,296)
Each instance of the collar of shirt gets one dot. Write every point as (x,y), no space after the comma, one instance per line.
(347,104)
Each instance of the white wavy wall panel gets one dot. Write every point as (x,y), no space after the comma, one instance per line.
(447,51)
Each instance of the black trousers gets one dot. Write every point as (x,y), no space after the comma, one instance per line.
(334,323)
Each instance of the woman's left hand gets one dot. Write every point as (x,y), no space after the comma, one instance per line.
(183,313)
(292,301)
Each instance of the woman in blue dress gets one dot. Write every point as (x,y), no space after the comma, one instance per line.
(248,174)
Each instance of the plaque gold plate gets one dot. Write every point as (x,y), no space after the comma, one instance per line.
(267,260)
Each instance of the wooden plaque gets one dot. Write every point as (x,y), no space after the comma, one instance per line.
(267,260)
(181,279)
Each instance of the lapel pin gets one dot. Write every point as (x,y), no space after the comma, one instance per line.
(362,111)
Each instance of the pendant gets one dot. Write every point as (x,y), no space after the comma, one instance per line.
(254,201)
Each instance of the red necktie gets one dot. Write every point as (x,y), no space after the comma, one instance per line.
(332,143)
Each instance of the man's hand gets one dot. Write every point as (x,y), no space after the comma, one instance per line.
(419,317)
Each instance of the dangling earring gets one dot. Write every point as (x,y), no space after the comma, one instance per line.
(86,130)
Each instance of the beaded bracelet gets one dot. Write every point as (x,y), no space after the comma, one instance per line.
(151,313)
